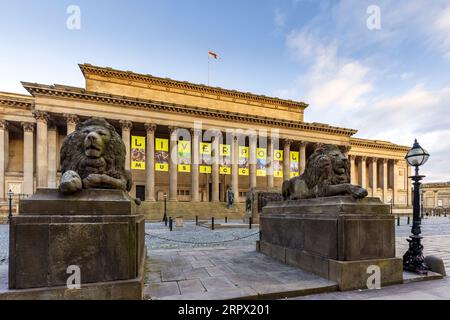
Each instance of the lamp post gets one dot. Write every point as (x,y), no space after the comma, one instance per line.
(10,195)
(413,259)
(165,209)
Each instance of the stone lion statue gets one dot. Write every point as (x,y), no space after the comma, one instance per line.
(93,156)
(327,174)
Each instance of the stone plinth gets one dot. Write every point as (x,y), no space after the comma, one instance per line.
(334,237)
(96,230)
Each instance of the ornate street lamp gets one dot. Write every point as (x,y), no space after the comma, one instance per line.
(413,259)
(10,195)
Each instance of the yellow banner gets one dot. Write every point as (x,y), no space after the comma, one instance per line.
(278,155)
(205,169)
(278,163)
(137,153)
(161,144)
(225,159)
(225,170)
(205,148)
(161,154)
(184,156)
(261,162)
(225,150)
(294,164)
(205,157)
(243,161)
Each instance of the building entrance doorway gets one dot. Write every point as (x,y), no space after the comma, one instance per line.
(140,192)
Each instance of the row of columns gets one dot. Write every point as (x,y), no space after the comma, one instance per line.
(215,175)
(46,164)
(373,175)
(28,156)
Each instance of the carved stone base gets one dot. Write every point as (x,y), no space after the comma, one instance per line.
(334,237)
(96,230)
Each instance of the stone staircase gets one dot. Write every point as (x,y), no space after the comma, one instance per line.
(154,211)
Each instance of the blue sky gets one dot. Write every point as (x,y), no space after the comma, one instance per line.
(390,84)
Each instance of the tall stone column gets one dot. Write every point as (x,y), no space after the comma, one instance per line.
(287,159)
(72,121)
(394,181)
(253,139)
(126,137)
(215,169)
(52,164)
(435,198)
(28,158)
(195,161)
(173,164)
(302,156)
(41,148)
(362,171)
(235,168)
(3,155)
(385,180)
(373,165)
(270,152)
(150,162)
(353,179)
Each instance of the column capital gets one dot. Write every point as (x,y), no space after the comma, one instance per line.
(172,129)
(4,125)
(71,118)
(28,126)
(363,158)
(395,161)
(195,131)
(41,116)
(150,127)
(352,157)
(373,159)
(288,142)
(126,124)
(303,144)
(384,160)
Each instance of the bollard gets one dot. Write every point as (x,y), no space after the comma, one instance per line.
(212,223)
(196,220)
(170,223)
(226,219)
(408,219)
(250,222)
(398,220)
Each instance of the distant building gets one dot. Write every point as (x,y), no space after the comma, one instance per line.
(435,195)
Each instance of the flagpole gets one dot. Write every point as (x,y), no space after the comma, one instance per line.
(208,69)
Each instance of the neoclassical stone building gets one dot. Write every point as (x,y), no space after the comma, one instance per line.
(158,115)
(435,195)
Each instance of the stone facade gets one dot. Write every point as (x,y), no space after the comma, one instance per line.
(435,196)
(32,129)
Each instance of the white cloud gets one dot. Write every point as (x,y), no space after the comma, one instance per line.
(331,81)
(279,18)
(352,90)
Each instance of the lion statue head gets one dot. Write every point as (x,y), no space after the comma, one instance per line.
(327,165)
(327,173)
(93,156)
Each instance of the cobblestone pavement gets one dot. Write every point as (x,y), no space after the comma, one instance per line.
(224,273)
(158,236)
(196,262)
